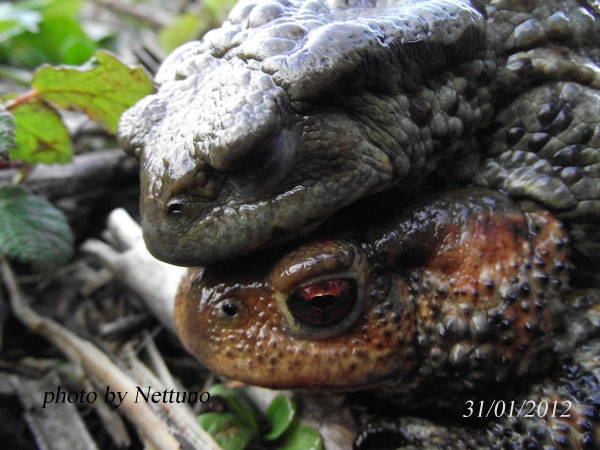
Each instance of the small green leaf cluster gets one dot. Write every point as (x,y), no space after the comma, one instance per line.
(103,88)
(32,131)
(33,230)
(237,428)
(36,31)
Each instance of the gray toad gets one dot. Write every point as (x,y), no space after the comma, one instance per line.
(294,109)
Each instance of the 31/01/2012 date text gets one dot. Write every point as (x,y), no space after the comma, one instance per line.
(526,408)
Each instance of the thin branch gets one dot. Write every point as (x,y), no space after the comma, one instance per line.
(180,415)
(154,19)
(22,99)
(95,362)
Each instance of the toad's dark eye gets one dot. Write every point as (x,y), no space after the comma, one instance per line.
(228,308)
(323,303)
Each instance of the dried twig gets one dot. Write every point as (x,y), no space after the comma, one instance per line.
(154,281)
(145,13)
(51,431)
(180,415)
(158,365)
(95,363)
(87,172)
(112,421)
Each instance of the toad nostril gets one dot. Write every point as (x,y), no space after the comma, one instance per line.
(175,206)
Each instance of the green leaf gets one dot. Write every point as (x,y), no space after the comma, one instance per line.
(229,431)
(33,230)
(184,28)
(40,135)
(238,403)
(74,50)
(7,132)
(300,437)
(14,20)
(50,8)
(48,42)
(192,25)
(280,414)
(103,88)
(54,8)
(58,34)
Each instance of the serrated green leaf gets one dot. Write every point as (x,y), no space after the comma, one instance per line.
(103,88)
(32,230)
(280,414)
(40,135)
(238,403)
(300,437)
(229,431)
(7,132)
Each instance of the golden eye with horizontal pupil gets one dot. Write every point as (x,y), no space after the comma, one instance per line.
(320,288)
(323,303)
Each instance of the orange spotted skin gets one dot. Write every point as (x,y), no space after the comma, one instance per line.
(257,345)
(453,292)
(452,297)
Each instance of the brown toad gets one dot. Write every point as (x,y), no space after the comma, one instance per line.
(447,298)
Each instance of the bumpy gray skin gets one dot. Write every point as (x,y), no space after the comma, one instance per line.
(294,109)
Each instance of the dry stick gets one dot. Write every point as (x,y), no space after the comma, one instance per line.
(158,364)
(180,415)
(97,365)
(63,428)
(111,420)
(154,19)
(95,171)
(156,282)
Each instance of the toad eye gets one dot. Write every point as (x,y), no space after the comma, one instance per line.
(228,308)
(323,303)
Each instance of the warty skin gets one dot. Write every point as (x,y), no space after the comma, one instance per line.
(457,296)
(293,110)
